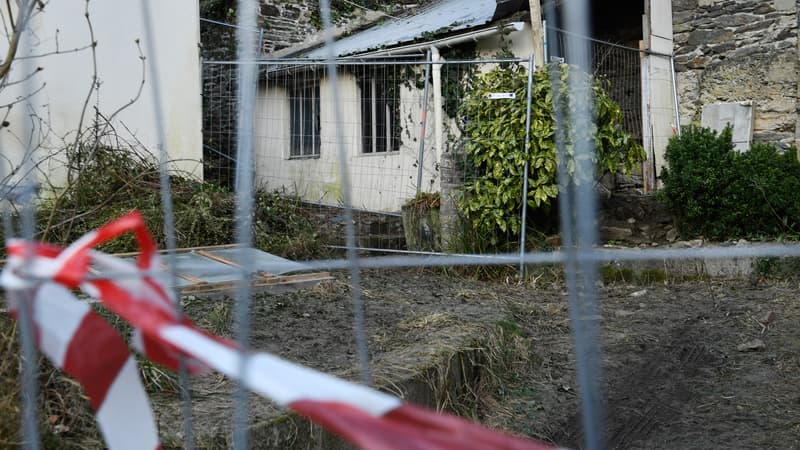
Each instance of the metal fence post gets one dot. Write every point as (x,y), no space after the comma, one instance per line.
(245,102)
(30,367)
(578,212)
(421,154)
(169,215)
(526,169)
(675,95)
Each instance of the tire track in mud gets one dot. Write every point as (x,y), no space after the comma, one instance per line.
(652,394)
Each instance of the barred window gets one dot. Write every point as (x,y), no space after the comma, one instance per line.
(379,116)
(304,127)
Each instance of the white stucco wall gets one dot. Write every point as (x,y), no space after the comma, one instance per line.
(66,78)
(380,182)
(658,108)
(519,42)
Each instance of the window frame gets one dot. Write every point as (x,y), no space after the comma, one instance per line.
(370,100)
(299,145)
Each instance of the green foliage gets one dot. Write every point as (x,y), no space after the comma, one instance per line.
(721,194)
(222,10)
(341,10)
(496,143)
(453,76)
(110,182)
(283,226)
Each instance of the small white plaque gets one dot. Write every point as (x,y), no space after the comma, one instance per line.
(502,95)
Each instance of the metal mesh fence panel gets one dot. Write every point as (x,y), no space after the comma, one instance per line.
(618,65)
(355,141)
(405,146)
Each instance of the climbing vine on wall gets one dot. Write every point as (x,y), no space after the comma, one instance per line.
(496,143)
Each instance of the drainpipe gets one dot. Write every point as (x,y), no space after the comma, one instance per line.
(438,119)
(675,95)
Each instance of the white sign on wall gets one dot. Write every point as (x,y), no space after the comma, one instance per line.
(502,95)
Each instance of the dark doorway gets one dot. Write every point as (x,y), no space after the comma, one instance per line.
(616,29)
(618,21)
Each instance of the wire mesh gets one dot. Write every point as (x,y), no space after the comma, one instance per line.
(344,136)
(618,65)
(387,123)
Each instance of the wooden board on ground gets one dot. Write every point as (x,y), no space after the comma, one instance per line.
(214,271)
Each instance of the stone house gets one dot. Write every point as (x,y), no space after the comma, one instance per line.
(381,100)
(683,57)
(733,62)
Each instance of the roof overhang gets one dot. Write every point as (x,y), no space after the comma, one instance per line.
(437,21)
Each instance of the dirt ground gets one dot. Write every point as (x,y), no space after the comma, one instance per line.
(676,369)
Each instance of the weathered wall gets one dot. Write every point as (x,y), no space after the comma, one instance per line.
(739,50)
(64,80)
(290,22)
(286,23)
(380,181)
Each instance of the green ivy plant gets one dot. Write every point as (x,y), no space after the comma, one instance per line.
(495,142)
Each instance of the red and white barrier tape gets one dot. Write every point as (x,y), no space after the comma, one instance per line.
(365,417)
(79,342)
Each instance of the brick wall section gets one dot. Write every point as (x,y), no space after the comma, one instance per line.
(740,50)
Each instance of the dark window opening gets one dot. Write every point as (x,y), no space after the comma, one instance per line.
(305,123)
(379,115)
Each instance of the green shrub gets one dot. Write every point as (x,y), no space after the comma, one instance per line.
(108,183)
(719,193)
(496,143)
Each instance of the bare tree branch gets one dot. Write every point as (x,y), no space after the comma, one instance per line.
(93,86)
(138,92)
(23,17)
(23,98)
(57,51)
(5,84)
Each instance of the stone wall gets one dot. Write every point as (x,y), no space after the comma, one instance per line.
(740,50)
(290,22)
(287,22)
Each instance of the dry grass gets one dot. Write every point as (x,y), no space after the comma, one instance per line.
(64,415)
(9,386)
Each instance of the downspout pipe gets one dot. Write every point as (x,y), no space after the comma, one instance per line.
(675,95)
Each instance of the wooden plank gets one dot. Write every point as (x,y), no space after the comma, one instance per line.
(537,34)
(260,285)
(180,251)
(216,258)
(298,277)
(277,284)
(188,277)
